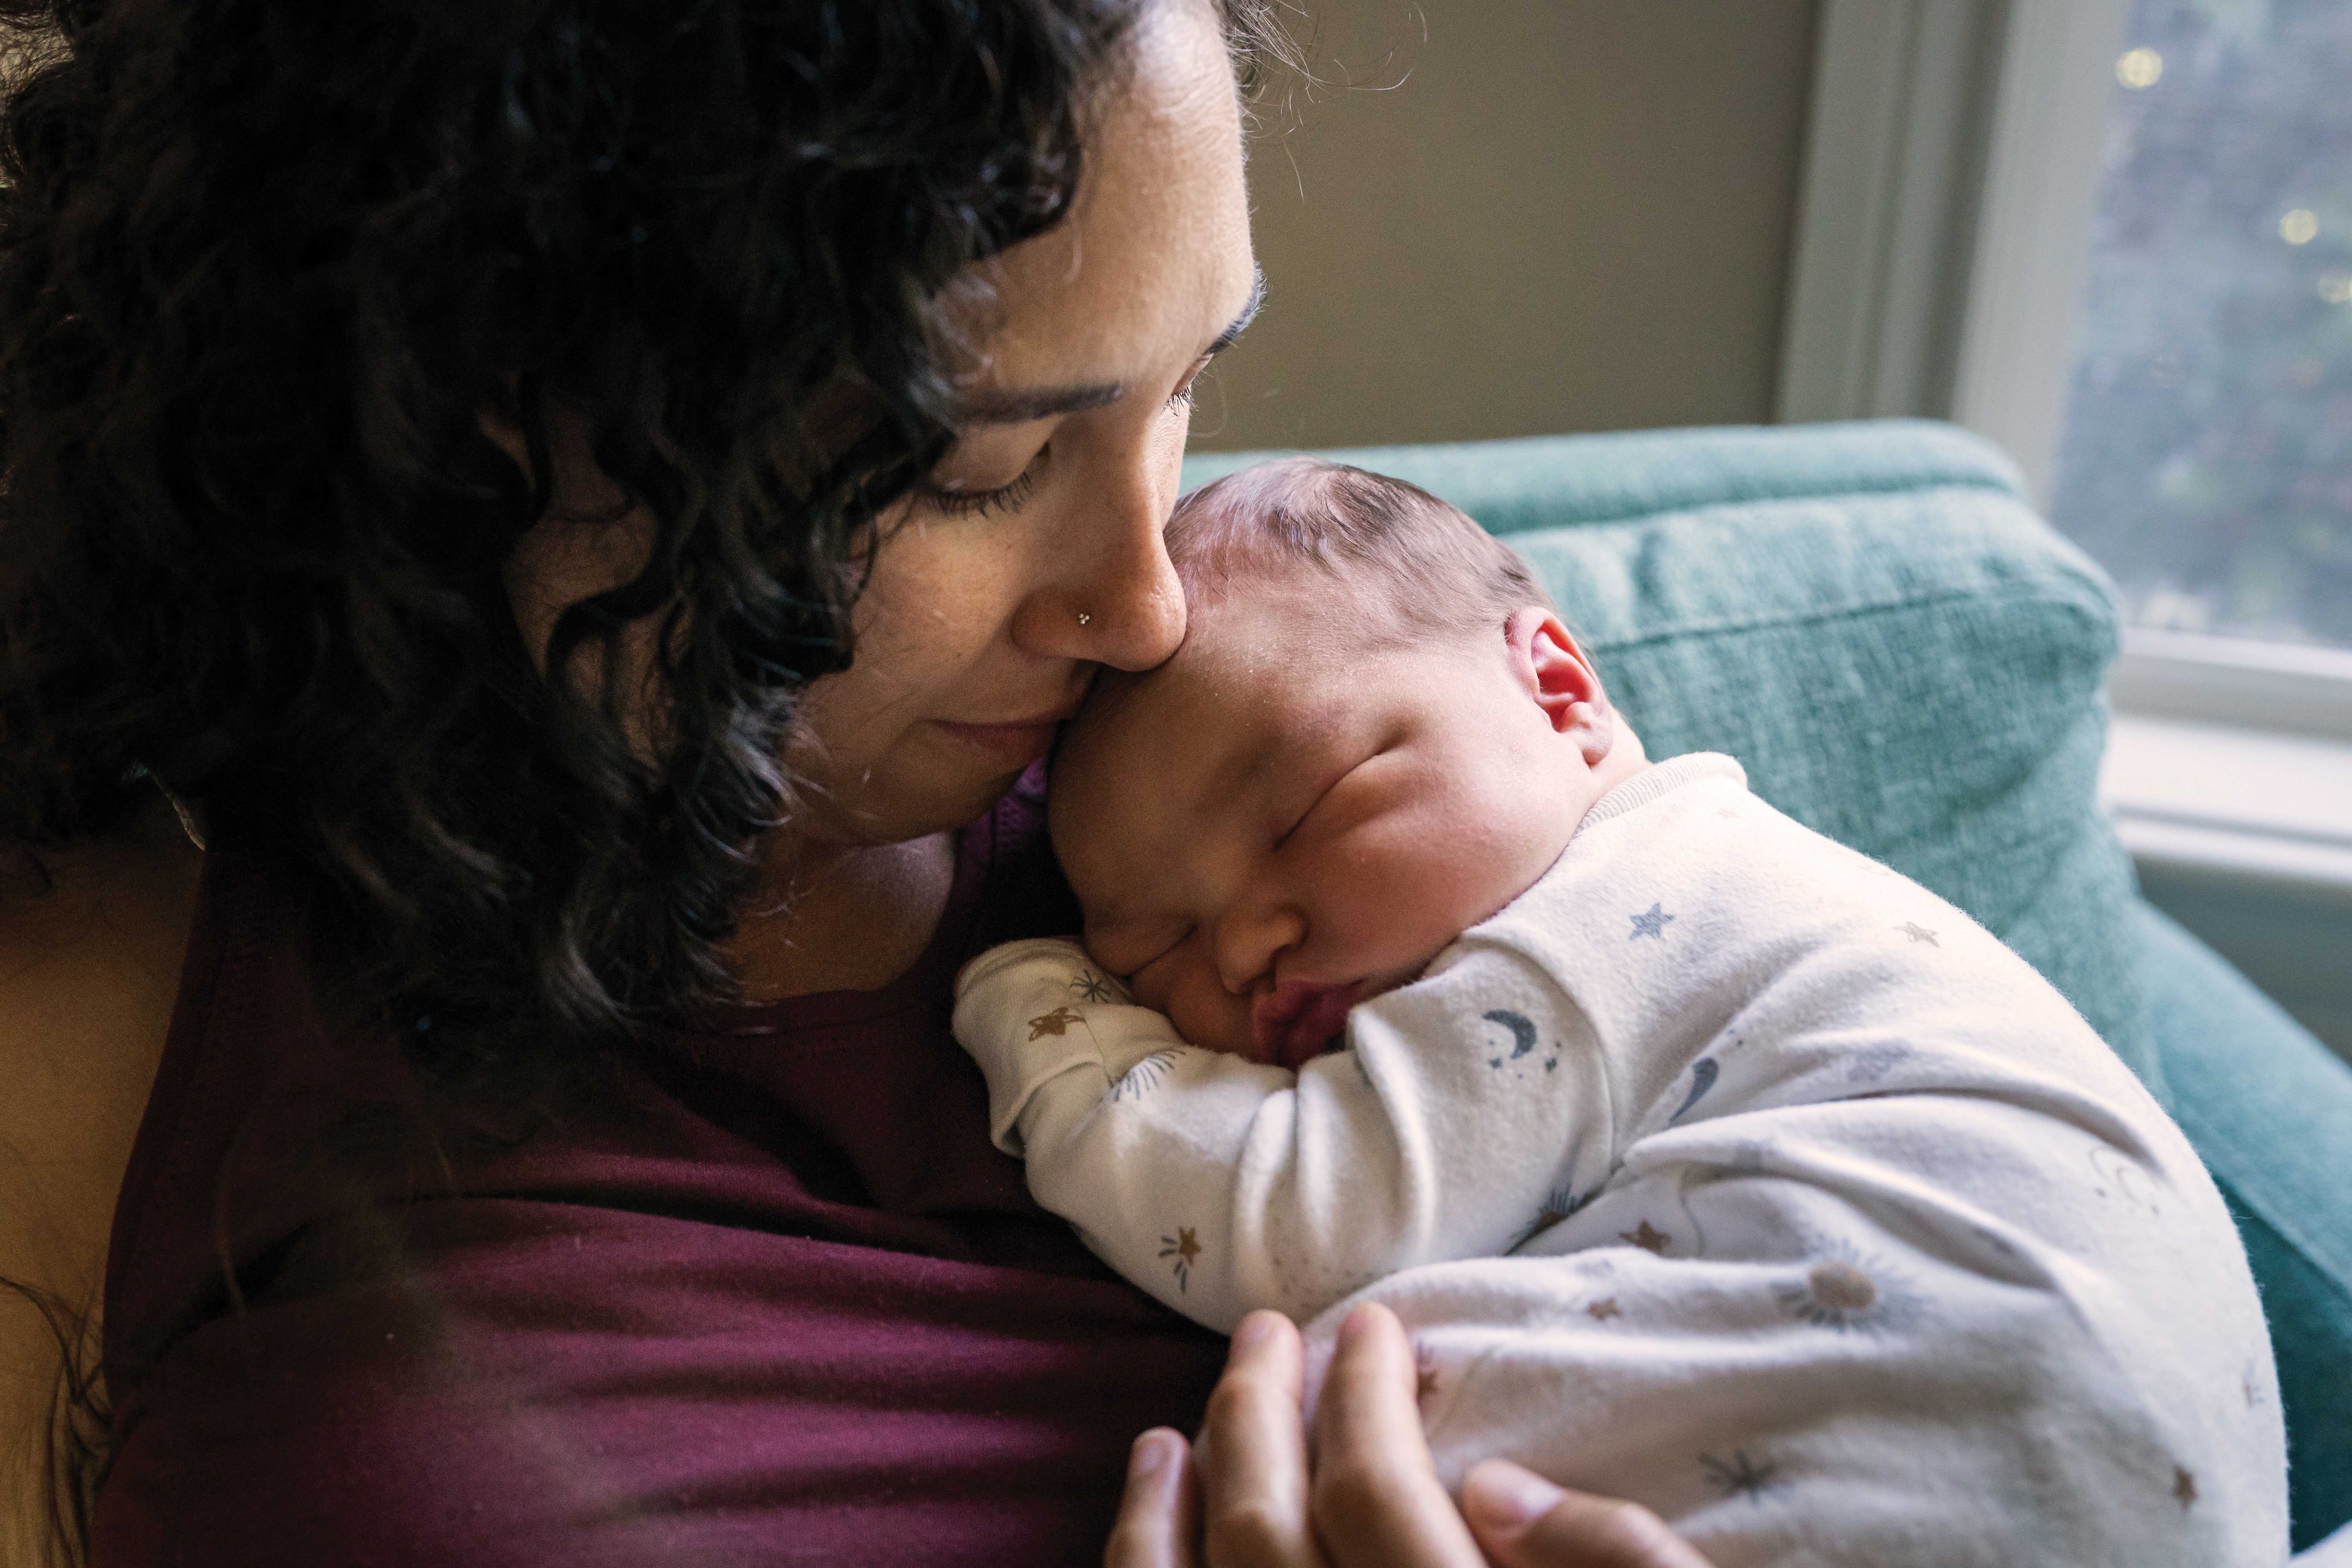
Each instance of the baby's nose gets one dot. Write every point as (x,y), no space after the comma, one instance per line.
(1250,940)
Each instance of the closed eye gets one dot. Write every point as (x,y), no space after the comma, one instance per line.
(1182,397)
(1183,394)
(1307,815)
(1130,970)
(979,503)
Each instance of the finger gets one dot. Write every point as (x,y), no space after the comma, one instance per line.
(1252,1455)
(1522,1520)
(1376,1497)
(1159,1514)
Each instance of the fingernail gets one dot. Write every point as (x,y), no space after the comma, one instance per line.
(1253,1333)
(1149,1453)
(1504,1495)
(1353,1326)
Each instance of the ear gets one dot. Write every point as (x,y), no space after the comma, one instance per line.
(1562,682)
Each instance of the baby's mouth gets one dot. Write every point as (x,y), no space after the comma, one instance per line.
(1296,1022)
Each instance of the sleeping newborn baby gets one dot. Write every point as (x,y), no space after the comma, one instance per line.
(1708,1163)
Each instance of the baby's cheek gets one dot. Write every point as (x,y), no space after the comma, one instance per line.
(1205,1013)
(1393,896)
(1151,985)
(1434,885)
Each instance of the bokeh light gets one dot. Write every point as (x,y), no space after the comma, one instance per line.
(2140,68)
(2207,454)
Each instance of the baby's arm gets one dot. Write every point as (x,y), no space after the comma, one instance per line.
(1222,1186)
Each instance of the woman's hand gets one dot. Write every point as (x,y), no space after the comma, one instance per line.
(1245,1495)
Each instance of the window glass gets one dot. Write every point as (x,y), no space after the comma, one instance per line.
(2206,459)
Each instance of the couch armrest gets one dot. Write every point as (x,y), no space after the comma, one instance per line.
(2270,1111)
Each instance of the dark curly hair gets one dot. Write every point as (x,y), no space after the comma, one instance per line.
(266,265)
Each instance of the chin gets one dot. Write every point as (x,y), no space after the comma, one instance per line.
(943,806)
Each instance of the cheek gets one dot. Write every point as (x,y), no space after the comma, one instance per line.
(1187,989)
(936,593)
(927,628)
(1401,882)
(1418,876)
(1495,838)
(930,611)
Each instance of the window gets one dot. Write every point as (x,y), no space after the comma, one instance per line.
(2115,237)
(2206,454)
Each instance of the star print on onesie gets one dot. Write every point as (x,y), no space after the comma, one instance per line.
(1056,1023)
(1647,1238)
(1741,1476)
(1183,1250)
(1091,987)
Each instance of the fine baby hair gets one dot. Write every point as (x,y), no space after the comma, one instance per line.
(1443,574)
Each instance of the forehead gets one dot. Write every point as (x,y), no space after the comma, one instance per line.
(1253,674)
(1255,649)
(1156,763)
(1155,252)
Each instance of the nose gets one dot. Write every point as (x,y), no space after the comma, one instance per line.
(1117,599)
(1146,616)
(1251,935)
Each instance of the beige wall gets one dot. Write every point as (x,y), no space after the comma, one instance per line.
(1573,215)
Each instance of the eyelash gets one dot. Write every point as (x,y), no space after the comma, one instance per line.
(981,503)
(1315,804)
(1282,840)
(1010,498)
(1288,834)
(1163,953)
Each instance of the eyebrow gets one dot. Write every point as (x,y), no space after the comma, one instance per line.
(1023,407)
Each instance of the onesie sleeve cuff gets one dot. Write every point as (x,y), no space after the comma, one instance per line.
(1021,1013)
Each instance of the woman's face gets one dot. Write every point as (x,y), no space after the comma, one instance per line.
(1033,555)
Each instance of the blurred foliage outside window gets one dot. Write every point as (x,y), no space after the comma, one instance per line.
(2206,459)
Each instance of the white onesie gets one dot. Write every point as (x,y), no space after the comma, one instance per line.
(1726,1170)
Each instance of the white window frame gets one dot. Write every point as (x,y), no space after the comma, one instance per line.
(1944,224)
(1941,251)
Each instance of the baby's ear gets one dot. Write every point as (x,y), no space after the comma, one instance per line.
(1562,680)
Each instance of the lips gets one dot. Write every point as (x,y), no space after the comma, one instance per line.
(1296,1022)
(1018,742)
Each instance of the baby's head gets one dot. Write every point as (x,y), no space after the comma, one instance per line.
(1376,733)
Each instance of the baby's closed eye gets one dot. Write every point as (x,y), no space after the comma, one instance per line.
(1128,948)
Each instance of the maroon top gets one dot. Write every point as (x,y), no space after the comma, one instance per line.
(765,1295)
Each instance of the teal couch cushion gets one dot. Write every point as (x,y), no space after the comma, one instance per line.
(1873,621)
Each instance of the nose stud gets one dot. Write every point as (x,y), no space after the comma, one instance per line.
(1084,617)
